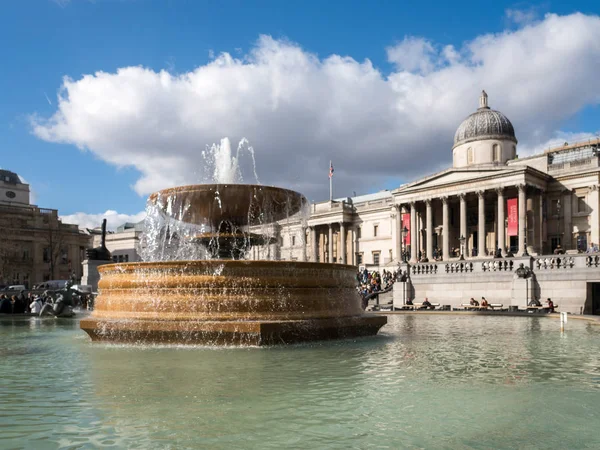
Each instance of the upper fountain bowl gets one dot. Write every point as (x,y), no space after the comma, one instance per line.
(240,204)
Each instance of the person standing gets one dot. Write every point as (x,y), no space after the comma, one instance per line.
(5,305)
(36,305)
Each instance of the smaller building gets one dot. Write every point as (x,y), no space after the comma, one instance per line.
(35,245)
(124,243)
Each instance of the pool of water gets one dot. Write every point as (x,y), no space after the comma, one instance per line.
(425,382)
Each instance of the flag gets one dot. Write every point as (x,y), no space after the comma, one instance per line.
(330,169)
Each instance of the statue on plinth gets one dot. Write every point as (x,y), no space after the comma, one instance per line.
(523,271)
(100,253)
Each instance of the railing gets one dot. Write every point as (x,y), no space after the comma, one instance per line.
(592,260)
(498,265)
(554,262)
(506,265)
(592,162)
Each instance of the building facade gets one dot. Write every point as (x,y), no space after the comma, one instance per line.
(35,245)
(489,201)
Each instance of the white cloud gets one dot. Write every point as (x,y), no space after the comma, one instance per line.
(558,139)
(413,54)
(113,219)
(521,17)
(300,111)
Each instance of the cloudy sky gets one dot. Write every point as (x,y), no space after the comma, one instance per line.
(108,101)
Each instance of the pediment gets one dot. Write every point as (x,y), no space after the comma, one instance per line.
(456,176)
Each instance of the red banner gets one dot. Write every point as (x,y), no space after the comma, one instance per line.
(406,224)
(512,209)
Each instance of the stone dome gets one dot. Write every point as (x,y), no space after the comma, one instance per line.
(485,123)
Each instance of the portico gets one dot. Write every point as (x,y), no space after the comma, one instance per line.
(472,204)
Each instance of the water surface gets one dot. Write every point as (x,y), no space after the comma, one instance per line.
(425,382)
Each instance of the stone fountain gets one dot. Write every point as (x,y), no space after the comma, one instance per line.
(222,298)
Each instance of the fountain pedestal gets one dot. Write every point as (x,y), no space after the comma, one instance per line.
(228,302)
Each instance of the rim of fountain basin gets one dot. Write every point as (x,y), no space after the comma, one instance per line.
(280,207)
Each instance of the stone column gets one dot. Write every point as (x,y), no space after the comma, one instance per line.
(481,225)
(594,216)
(463,224)
(445,236)
(522,218)
(330,244)
(413,233)
(342,252)
(501,224)
(315,248)
(303,255)
(396,234)
(429,226)
(567,243)
(541,223)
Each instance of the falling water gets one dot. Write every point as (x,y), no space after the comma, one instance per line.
(170,235)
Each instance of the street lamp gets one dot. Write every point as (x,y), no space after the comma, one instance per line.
(404,234)
(462,240)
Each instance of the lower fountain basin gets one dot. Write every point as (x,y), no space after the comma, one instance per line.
(228,302)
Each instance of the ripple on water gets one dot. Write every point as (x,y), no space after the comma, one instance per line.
(425,382)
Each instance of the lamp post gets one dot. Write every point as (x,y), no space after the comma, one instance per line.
(403,247)
(462,240)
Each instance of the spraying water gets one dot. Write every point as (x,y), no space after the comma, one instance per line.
(180,225)
(222,167)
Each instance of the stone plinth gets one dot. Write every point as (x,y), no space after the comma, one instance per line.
(91,276)
(228,302)
(522,291)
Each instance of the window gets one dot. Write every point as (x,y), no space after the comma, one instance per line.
(26,254)
(358,232)
(469,155)
(582,242)
(555,207)
(375,230)
(581,205)
(554,242)
(496,153)
(64,256)
(376,258)
(359,259)
(293,240)
(46,254)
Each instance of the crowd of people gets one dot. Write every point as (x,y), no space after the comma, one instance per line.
(373,282)
(29,303)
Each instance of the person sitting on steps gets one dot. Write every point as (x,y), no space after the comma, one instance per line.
(473,302)
(427,304)
(484,302)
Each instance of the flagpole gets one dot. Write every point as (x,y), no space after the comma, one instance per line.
(330,183)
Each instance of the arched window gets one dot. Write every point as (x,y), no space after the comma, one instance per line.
(496,153)
(469,155)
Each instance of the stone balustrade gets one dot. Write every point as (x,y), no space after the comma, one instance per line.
(536,263)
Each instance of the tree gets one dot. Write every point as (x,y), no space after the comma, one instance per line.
(8,250)
(55,240)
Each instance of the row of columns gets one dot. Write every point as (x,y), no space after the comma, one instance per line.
(315,247)
(522,205)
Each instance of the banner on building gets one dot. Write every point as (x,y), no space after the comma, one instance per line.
(406,224)
(512,209)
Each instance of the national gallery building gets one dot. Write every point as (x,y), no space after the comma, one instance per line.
(490,211)
(489,201)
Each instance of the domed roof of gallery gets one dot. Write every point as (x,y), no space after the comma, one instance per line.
(485,123)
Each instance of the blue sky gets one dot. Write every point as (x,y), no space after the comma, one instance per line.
(44,41)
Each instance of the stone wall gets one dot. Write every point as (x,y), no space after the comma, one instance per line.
(564,278)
